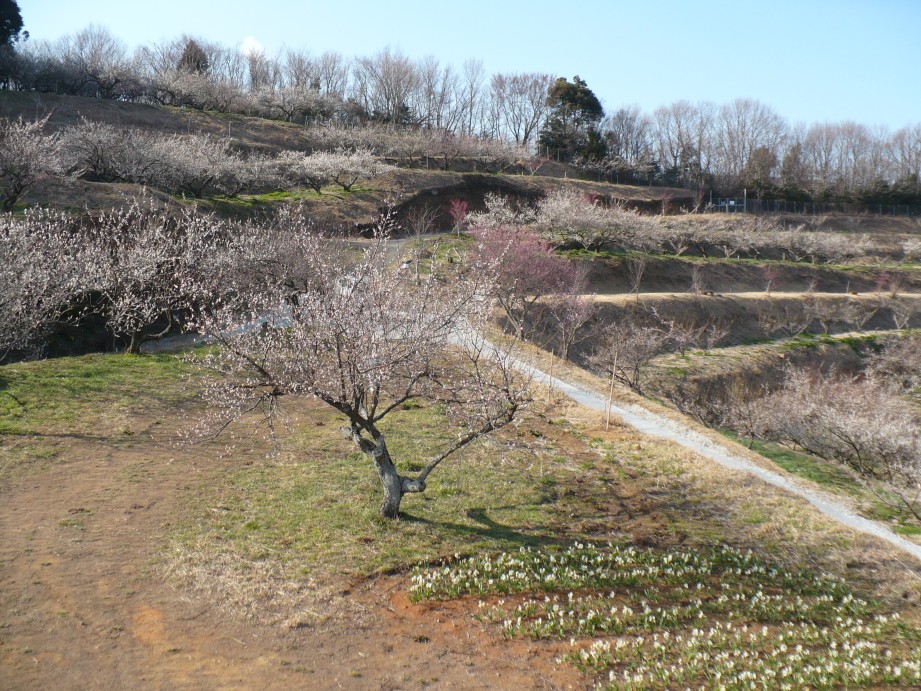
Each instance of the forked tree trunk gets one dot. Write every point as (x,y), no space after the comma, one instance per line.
(393,484)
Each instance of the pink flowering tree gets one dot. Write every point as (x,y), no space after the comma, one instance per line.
(459,209)
(530,278)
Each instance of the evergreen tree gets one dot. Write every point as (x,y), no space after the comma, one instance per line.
(571,128)
(10,23)
(194,59)
(10,32)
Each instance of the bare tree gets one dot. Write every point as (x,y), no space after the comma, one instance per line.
(823,311)
(858,313)
(697,279)
(571,313)
(716,331)
(300,70)
(100,58)
(628,134)
(421,221)
(686,334)
(364,338)
(521,102)
(435,98)
(740,407)
(786,319)
(902,312)
(627,347)
(470,96)
(333,73)
(385,84)
(744,126)
(636,267)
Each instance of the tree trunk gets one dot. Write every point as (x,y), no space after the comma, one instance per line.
(134,347)
(395,486)
(392,485)
(391,481)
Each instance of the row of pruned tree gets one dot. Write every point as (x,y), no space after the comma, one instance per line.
(203,164)
(414,147)
(866,421)
(188,164)
(632,337)
(570,219)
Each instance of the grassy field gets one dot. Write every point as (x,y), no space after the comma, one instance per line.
(284,534)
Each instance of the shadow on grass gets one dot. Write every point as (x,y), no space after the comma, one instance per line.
(488,529)
(75,436)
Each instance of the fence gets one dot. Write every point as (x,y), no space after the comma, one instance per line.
(781,206)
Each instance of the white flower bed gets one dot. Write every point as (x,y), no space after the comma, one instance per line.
(648,619)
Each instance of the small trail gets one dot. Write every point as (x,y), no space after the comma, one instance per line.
(651,424)
(760,296)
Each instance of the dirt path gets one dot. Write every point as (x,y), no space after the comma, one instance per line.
(650,423)
(83,604)
(617,298)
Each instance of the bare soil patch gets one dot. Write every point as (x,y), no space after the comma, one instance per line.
(86,605)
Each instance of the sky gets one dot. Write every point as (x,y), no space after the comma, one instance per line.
(810,60)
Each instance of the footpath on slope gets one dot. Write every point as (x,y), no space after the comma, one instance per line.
(653,424)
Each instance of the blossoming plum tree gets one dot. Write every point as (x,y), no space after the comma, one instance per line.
(363,336)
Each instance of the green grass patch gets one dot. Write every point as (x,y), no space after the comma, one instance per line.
(314,512)
(88,394)
(859,343)
(803,465)
(832,476)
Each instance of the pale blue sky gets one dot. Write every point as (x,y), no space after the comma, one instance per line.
(811,60)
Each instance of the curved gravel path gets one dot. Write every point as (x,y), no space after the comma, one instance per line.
(655,425)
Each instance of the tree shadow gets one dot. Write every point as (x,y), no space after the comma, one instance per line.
(488,528)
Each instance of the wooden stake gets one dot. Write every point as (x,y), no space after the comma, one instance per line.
(607,419)
(550,382)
